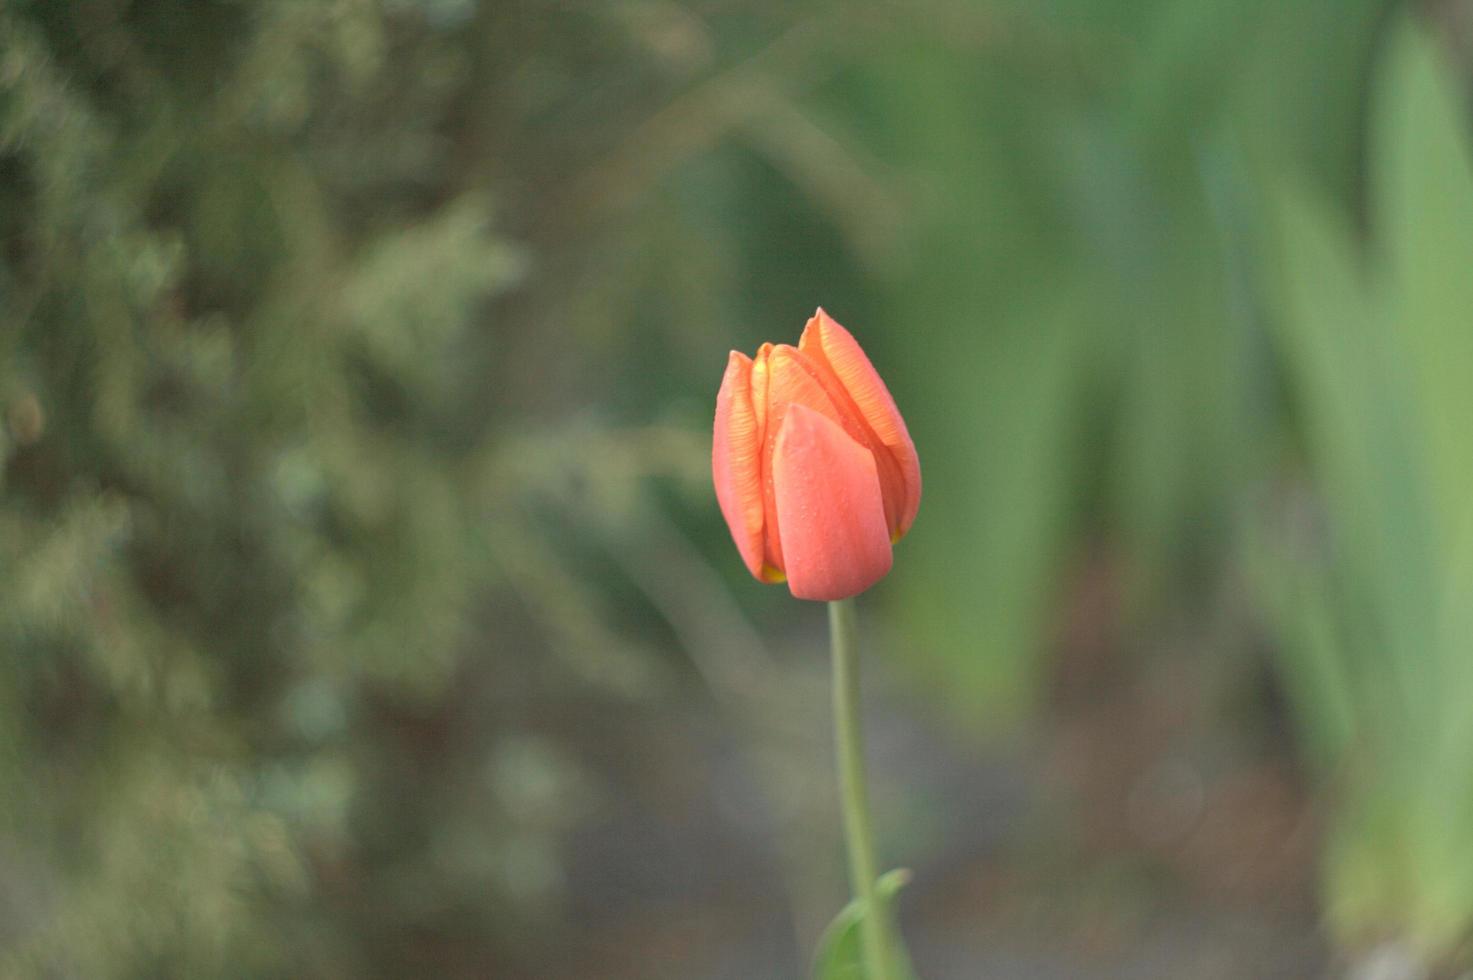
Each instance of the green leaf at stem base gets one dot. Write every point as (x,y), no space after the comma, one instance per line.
(840,956)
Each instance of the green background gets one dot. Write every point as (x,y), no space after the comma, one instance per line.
(364,605)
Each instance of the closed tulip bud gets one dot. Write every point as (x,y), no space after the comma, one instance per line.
(815,472)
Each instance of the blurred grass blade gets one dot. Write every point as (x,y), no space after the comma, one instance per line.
(1377,347)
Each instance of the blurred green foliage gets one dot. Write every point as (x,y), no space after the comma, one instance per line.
(246,516)
(1373,588)
(357,357)
(1083,291)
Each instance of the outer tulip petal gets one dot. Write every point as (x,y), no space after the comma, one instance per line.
(825,341)
(786,377)
(736,448)
(835,539)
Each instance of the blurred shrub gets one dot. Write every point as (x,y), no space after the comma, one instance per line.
(245,371)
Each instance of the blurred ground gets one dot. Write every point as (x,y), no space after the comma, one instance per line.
(1190,853)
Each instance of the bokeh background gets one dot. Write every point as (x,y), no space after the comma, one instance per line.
(364,606)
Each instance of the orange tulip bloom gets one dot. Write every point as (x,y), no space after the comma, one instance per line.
(814,469)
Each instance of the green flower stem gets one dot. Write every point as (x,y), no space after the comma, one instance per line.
(874,929)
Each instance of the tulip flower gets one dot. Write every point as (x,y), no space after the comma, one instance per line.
(817,478)
(815,472)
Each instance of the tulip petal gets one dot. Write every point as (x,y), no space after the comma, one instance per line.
(829,509)
(825,341)
(800,379)
(736,447)
(781,377)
